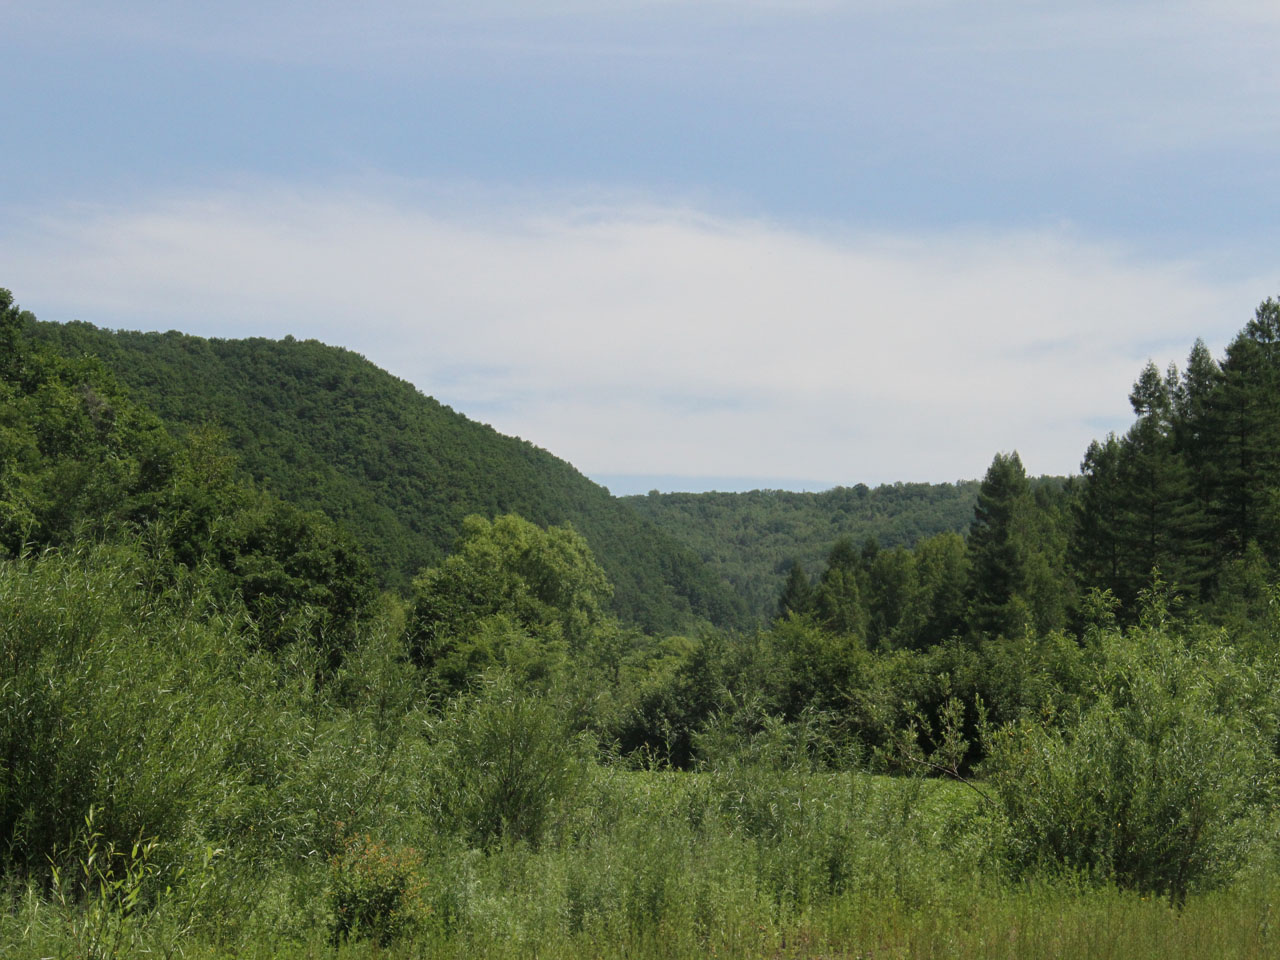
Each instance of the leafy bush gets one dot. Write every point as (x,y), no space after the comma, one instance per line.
(505,760)
(1152,784)
(108,698)
(375,891)
(508,580)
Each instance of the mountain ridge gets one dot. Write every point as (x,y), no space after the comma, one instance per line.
(325,428)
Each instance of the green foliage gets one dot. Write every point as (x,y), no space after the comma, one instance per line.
(797,592)
(375,891)
(677,693)
(101,893)
(820,665)
(1017,552)
(1140,505)
(296,574)
(888,598)
(108,698)
(1159,522)
(998,552)
(1097,550)
(837,601)
(506,763)
(1245,444)
(941,571)
(79,458)
(83,459)
(775,833)
(683,685)
(326,430)
(1192,484)
(1152,783)
(510,592)
(754,539)
(1248,603)
(161,711)
(187,657)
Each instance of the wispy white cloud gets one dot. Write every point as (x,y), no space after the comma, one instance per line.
(647,339)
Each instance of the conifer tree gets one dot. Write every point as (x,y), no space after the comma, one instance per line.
(838,598)
(1248,436)
(1046,533)
(797,592)
(1193,436)
(942,573)
(1096,552)
(998,580)
(894,614)
(1157,522)
(1192,399)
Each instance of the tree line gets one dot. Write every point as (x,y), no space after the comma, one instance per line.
(1188,498)
(752,539)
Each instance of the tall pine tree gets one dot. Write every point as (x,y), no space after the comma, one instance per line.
(797,593)
(1157,517)
(1096,551)
(1246,408)
(997,552)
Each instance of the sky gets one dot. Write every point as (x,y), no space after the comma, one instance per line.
(683,244)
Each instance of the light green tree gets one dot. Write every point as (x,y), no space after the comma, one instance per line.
(509,590)
(838,599)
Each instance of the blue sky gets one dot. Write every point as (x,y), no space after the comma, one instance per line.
(680,244)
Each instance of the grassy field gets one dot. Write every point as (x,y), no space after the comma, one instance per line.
(734,862)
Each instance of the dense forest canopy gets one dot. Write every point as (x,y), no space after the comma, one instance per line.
(325,429)
(1187,498)
(1189,490)
(753,539)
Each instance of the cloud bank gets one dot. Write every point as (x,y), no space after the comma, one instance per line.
(644,339)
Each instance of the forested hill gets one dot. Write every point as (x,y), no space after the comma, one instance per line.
(751,539)
(325,429)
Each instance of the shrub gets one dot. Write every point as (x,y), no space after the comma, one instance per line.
(108,698)
(375,891)
(1152,784)
(505,760)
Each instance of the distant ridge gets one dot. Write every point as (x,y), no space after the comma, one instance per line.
(324,428)
(635,484)
(750,539)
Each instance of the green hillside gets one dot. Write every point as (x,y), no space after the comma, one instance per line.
(323,428)
(751,539)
